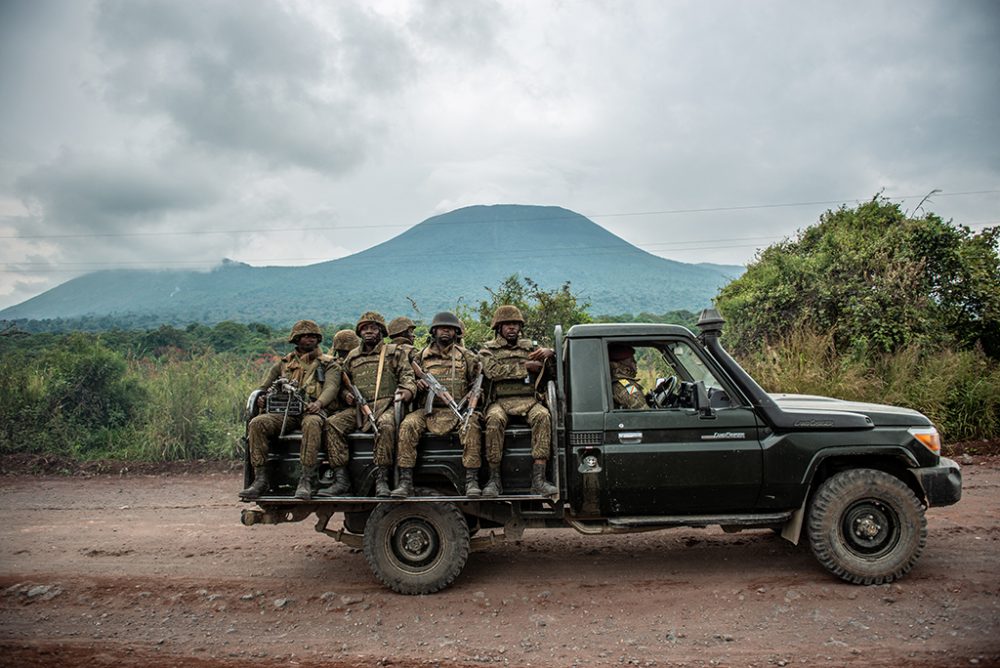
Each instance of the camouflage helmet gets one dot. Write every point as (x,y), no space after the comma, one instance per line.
(507,313)
(345,340)
(371,316)
(304,327)
(399,325)
(446,319)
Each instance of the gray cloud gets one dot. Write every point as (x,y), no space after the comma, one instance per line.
(252,77)
(104,192)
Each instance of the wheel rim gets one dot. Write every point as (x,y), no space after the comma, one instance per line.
(870,528)
(414,544)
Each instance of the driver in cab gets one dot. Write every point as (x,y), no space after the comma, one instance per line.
(625,388)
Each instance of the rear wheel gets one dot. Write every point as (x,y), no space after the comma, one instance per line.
(866,526)
(416,548)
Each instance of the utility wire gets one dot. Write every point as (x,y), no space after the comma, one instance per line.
(328,228)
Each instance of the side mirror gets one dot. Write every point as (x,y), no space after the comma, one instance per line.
(702,404)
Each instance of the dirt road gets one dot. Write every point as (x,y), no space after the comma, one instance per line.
(157,571)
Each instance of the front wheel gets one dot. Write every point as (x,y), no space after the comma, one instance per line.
(416,548)
(866,526)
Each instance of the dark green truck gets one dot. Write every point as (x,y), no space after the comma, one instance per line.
(713,448)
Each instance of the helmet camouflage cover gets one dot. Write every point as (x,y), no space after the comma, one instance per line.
(345,340)
(399,325)
(304,327)
(507,313)
(446,319)
(371,316)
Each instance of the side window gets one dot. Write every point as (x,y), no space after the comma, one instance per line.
(659,376)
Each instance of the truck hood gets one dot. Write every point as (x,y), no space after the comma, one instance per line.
(881,415)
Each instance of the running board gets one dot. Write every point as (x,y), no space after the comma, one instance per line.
(743,520)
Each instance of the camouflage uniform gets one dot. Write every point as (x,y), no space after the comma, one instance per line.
(362,368)
(625,389)
(514,393)
(303,370)
(318,377)
(456,368)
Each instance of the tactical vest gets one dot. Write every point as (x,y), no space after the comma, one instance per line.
(451,372)
(513,387)
(303,371)
(363,369)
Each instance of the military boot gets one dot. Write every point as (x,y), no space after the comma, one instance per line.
(472,483)
(304,491)
(382,482)
(493,486)
(259,484)
(405,488)
(341,482)
(538,483)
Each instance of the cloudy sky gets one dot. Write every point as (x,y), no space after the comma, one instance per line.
(174,133)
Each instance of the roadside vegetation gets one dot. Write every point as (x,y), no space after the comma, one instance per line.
(870,304)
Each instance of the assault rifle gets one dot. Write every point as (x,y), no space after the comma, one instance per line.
(471,400)
(363,407)
(436,390)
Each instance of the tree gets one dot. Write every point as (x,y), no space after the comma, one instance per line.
(876,279)
(542,310)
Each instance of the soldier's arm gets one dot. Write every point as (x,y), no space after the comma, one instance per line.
(331,383)
(272,375)
(405,378)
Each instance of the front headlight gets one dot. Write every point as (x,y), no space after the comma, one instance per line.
(929,437)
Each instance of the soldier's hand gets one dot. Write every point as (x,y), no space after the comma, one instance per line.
(348,399)
(541,354)
(422,384)
(404,396)
(260,402)
(313,407)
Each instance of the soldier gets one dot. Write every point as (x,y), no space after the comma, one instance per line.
(626,390)
(318,377)
(344,342)
(456,368)
(511,364)
(382,373)
(401,333)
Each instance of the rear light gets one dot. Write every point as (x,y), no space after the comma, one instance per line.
(929,437)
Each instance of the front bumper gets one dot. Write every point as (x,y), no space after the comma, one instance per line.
(942,484)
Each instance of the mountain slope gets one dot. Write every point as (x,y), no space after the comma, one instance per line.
(444,259)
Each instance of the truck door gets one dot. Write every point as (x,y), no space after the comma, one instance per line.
(671,458)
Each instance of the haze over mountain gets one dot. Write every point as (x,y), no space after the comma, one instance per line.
(447,258)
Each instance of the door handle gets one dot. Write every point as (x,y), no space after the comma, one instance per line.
(630,437)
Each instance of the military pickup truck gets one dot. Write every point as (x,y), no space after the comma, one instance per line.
(709,447)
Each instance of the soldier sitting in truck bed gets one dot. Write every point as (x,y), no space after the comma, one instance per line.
(316,376)
(380,374)
(455,369)
(511,363)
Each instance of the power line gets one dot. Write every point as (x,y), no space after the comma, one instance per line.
(327,228)
(656,248)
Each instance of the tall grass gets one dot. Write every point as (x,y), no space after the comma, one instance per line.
(194,409)
(958,390)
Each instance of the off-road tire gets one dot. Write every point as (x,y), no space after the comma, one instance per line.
(416,548)
(866,526)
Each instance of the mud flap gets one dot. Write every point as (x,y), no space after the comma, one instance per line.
(792,529)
